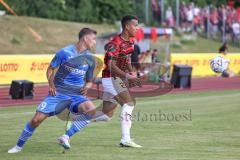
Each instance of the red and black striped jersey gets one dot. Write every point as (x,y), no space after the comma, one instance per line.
(119,50)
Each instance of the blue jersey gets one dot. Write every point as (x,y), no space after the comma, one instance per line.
(74,69)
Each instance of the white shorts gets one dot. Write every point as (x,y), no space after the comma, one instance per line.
(112,87)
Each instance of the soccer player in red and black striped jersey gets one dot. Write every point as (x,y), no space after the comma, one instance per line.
(117,71)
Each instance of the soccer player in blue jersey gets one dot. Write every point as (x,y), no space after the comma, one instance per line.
(69,75)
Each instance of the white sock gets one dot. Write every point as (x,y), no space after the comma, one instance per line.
(126,122)
(103,117)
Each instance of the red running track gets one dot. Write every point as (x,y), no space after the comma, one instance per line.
(198,85)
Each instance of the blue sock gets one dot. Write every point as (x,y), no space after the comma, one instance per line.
(80,122)
(26,134)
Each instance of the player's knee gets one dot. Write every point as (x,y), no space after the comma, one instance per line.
(37,119)
(35,122)
(91,111)
(126,112)
(87,108)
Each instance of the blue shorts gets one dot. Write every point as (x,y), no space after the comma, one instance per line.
(53,105)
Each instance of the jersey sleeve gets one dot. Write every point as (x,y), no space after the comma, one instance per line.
(57,59)
(112,50)
(90,73)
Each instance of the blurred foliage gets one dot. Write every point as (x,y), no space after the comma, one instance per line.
(15,40)
(96,11)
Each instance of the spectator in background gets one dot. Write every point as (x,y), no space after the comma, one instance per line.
(229,23)
(196,23)
(196,19)
(222,19)
(238,15)
(134,59)
(154,56)
(170,17)
(236,32)
(189,18)
(223,51)
(183,16)
(156,10)
(218,22)
(205,19)
(145,57)
(214,23)
(149,53)
(196,11)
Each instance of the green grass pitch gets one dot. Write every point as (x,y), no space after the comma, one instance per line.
(204,126)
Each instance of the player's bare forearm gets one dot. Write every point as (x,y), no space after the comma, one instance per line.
(133,82)
(115,70)
(49,72)
(87,86)
(50,77)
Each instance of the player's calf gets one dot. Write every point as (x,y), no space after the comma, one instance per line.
(37,119)
(28,132)
(81,115)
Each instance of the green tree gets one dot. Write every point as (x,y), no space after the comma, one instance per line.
(94,11)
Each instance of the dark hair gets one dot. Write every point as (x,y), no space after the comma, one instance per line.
(223,48)
(86,31)
(126,19)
